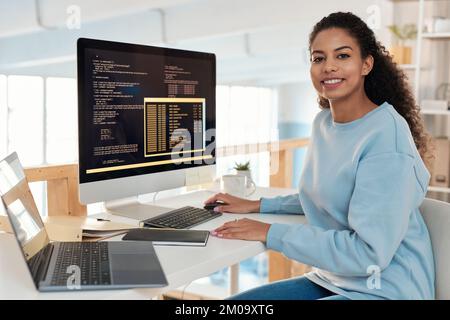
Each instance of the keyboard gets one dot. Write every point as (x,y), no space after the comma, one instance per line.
(92,259)
(183,218)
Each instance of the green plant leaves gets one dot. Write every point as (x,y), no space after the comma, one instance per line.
(405,32)
(242,166)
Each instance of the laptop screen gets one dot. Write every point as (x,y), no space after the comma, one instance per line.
(20,207)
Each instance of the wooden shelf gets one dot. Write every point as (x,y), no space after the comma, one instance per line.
(439,189)
(437,36)
(408,66)
(438,112)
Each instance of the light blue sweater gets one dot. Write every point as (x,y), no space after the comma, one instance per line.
(360,190)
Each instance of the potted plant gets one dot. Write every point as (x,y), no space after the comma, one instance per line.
(244,169)
(401,53)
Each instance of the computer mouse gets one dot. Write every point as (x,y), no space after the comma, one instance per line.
(211,206)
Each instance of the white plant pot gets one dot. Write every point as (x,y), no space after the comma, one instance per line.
(248,174)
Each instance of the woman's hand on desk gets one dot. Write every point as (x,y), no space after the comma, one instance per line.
(245,229)
(234,204)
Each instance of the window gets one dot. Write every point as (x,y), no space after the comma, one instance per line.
(24,114)
(25,98)
(246,115)
(40,130)
(61,117)
(39,134)
(3,118)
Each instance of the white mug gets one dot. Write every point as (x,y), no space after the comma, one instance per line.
(236,185)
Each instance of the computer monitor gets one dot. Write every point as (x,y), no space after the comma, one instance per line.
(146,121)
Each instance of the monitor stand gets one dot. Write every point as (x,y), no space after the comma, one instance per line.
(132,208)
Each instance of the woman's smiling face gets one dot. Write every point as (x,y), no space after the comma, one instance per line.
(337,69)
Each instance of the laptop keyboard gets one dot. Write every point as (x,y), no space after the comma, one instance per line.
(182,218)
(91,258)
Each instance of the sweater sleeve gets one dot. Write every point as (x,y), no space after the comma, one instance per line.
(386,192)
(282,204)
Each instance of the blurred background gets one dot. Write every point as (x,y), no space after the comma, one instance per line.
(264,93)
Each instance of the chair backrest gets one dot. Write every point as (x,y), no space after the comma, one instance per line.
(437,218)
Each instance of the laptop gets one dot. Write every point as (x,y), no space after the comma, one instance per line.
(65,266)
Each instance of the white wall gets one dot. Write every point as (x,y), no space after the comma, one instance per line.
(297,102)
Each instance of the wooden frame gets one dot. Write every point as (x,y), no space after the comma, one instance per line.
(62,188)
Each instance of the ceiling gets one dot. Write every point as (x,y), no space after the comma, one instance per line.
(257,42)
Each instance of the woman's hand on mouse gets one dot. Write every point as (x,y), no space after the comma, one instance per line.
(244,229)
(234,204)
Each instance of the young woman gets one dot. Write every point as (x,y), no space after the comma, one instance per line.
(362,184)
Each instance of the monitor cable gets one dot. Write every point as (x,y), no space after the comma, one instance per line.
(184,290)
(154,196)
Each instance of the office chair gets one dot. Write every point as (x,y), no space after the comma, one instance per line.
(437,218)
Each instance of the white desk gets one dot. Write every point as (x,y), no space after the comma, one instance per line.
(181,264)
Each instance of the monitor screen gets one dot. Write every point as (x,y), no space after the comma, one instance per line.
(143,109)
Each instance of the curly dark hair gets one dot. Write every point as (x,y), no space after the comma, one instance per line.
(394,89)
